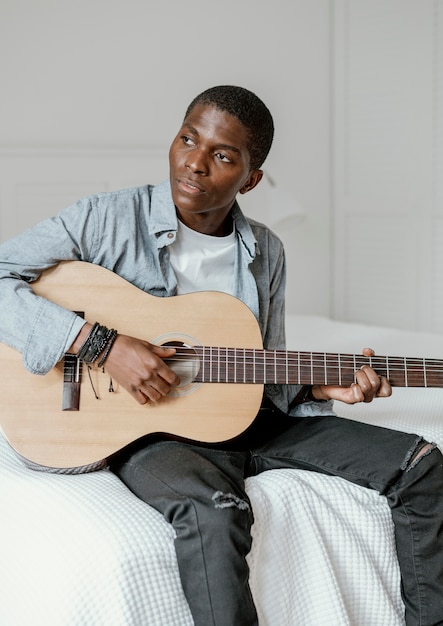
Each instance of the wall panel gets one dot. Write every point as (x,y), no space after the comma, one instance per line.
(386,160)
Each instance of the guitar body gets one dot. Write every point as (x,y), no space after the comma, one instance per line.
(31,406)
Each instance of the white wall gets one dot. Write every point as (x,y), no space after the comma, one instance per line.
(388,162)
(107,75)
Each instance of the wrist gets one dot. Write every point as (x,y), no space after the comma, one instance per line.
(93,344)
(80,339)
(318,395)
(308,393)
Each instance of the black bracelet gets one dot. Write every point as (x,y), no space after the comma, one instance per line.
(304,395)
(80,354)
(94,345)
(112,337)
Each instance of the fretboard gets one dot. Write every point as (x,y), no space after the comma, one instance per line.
(244,365)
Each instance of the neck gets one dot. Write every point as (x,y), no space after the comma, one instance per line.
(208,224)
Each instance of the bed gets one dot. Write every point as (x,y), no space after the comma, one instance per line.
(82,550)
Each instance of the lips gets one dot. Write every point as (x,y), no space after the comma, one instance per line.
(190,187)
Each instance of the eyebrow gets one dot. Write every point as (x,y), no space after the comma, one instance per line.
(223,146)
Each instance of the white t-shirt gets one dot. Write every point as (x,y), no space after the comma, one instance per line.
(203,262)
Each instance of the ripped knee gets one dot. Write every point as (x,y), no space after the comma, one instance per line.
(227,500)
(420,449)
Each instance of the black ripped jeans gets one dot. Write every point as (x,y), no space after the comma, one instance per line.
(200,491)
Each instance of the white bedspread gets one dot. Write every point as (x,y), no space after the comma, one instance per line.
(82,550)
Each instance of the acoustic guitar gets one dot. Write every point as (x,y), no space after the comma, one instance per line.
(72,419)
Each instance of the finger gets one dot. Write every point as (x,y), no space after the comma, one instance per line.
(140,397)
(357,394)
(367,375)
(162,351)
(368,352)
(369,382)
(146,393)
(367,378)
(385,389)
(163,370)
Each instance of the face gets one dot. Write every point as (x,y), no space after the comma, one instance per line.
(209,164)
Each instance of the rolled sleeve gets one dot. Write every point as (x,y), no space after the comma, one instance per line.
(38,328)
(52,333)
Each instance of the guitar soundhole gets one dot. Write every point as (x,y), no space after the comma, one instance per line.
(185,363)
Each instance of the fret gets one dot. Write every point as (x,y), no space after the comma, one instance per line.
(244,365)
(346,369)
(396,371)
(304,375)
(434,375)
(417,373)
(332,371)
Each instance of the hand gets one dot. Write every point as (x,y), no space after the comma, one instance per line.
(369,385)
(138,366)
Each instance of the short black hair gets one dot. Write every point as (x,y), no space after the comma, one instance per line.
(249,110)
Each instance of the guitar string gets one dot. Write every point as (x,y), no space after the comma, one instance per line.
(196,350)
(304,360)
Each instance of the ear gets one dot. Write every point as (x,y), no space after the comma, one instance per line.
(254,178)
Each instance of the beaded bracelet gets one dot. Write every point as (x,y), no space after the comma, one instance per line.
(112,337)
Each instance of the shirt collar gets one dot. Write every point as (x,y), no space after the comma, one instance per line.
(163,215)
(164,219)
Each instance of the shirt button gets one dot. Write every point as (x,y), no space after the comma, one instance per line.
(170,235)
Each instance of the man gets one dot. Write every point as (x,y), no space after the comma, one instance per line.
(189,234)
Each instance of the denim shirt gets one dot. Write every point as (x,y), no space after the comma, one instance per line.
(128,232)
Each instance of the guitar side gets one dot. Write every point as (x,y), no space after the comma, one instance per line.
(32,418)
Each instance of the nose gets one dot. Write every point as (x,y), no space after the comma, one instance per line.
(197,162)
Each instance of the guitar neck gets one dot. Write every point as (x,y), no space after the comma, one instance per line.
(243,365)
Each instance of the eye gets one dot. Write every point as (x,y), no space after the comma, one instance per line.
(222,157)
(187,140)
